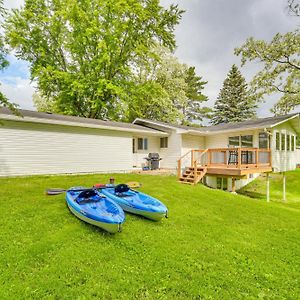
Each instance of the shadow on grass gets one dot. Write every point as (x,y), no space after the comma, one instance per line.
(251,194)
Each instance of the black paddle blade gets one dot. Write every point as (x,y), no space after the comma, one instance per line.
(53,192)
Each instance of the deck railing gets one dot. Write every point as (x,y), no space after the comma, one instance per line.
(239,158)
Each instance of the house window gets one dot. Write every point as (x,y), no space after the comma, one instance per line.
(142,144)
(277,141)
(247,141)
(283,141)
(263,140)
(293,143)
(234,141)
(288,142)
(164,142)
(222,183)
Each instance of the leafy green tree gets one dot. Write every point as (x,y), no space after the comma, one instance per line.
(83,53)
(281,68)
(294,7)
(234,103)
(4,64)
(166,89)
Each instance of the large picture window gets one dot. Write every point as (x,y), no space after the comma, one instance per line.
(247,141)
(263,140)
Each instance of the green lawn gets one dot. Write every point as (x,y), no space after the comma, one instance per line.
(257,188)
(214,245)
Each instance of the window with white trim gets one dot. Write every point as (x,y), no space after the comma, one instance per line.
(164,142)
(142,144)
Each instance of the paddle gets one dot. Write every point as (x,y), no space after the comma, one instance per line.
(58,191)
(53,192)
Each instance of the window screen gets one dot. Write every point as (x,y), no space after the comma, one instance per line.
(293,143)
(247,141)
(164,142)
(288,142)
(282,141)
(145,144)
(234,141)
(263,140)
(140,144)
(277,141)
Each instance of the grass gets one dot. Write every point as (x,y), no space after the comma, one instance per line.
(214,245)
(257,188)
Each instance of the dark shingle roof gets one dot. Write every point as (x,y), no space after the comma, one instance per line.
(79,120)
(250,124)
(256,123)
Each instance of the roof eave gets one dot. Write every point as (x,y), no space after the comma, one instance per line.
(285,120)
(78,124)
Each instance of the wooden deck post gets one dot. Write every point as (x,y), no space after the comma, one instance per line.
(268,187)
(192,157)
(239,157)
(179,169)
(284,186)
(233,185)
(256,157)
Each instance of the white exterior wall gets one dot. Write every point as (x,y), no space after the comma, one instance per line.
(171,154)
(222,140)
(190,142)
(153,147)
(28,148)
(211,181)
(283,160)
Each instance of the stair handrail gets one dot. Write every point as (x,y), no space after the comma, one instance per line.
(179,163)
(195,164)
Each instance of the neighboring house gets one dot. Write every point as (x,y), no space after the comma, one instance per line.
(226,156)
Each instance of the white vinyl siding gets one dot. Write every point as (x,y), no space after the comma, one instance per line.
(190,142)
(27,148)
(283,156)
(140,154)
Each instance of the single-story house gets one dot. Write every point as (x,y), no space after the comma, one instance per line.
(226,156)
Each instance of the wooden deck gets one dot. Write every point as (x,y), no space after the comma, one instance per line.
(233,162)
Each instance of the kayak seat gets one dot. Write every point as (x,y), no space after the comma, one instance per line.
(121,188)
(87,196)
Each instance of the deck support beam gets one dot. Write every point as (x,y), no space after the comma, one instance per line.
(268,187)
(233,185)
(284,186)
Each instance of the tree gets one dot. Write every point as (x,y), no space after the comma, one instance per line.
(193,110)
(166,90)
(281,68)
(4,64)
(234,103)
(41,104)
(83,53)
(294,7)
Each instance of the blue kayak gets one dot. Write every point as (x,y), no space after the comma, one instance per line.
(136,202)
(92,207)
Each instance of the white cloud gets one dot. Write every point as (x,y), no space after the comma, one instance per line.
(13,3)
(18,91)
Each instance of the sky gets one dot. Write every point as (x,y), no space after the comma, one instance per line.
(206,37)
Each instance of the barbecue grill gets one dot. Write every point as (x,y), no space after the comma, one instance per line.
(153,160)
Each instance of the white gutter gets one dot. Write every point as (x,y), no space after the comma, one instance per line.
(78,124)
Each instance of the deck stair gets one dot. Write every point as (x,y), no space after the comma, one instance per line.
(188,175)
